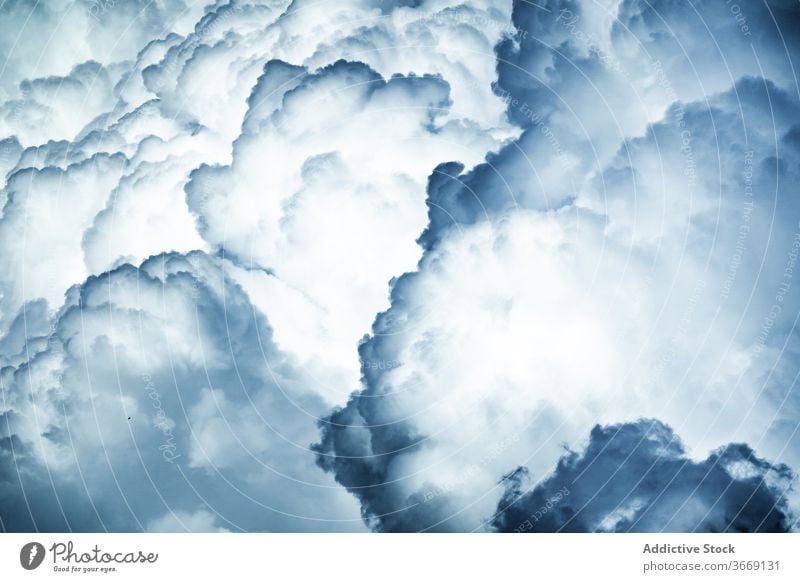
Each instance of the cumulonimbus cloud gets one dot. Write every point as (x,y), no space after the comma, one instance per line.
(418,245)
(576,275)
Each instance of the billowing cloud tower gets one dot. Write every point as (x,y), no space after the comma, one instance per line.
(435,265)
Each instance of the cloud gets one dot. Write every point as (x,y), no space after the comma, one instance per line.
(199,521)
(55,108)
(48,39)
(459,233)
(637,477)
(297,165)
(618,285)
(45,216)
(212,145)
(159,392)
(159,110)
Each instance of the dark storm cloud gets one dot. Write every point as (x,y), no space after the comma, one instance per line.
(637,477)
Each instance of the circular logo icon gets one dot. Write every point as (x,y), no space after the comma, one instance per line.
(31,555)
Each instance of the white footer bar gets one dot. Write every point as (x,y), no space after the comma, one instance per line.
(402,557)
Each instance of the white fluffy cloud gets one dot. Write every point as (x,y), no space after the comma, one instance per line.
(495,224)
(230,131)
(159,394)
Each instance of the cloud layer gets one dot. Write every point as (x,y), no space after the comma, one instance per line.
(574,278)
(299,266)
